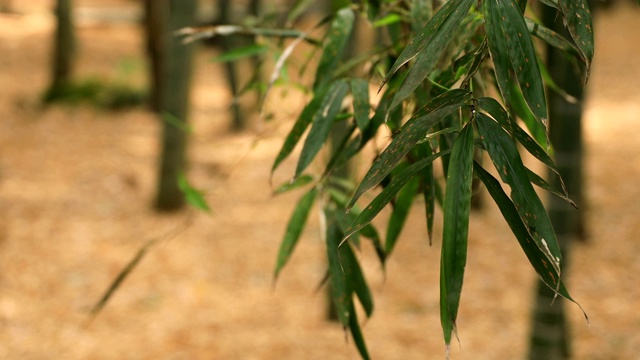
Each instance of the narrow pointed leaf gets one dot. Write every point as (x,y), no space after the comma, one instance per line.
(551,37)
(294,229)
(334,46)
(493,108)
(358,339)
(401,208)
(241,53)
(507,161)
(413,131)
(360,92)
(322,121)
(432,29)
(295,184)
(427,181)
(421,12)
(543,184)
(193,196)
(445,23)
(506,28)
(339,271)
(577,16)
(298,129)
(358,282)
(537,257)
(388,193)
(457,206)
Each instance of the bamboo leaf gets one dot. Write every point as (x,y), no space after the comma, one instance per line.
(295,184)
(294,229)
(360,91)
(339,272)
(551,37)
(334,46)
(428,189)
(507,29)
(401,208)
(543,184)
(577,17)
(356,278)
(388,193)
(241,53)
(507,161)
(537,257)
(322,122)
(387,20)
(358,339)
(424,37)
(300,126)
(411,133)
(437,34)
(193,196)
(457,207)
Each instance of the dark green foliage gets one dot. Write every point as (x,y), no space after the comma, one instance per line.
(436,63)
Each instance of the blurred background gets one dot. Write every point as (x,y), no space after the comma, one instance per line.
(83,155)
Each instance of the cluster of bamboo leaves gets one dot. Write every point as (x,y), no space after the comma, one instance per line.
(435,71)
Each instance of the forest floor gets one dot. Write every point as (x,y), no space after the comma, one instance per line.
(77,183)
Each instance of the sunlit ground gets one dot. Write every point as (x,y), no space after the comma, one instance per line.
(76,184)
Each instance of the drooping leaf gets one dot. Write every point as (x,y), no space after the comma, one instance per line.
(537,257)
(401,208)
(294,229)
(358,339)
(577,17)
(507,161)
(334,46)
(358,282)
(322,121)
(339,271)
(241,53)
(457,206)
(413,131)
(388,193)
(193,196)
(493,108)
(387,20)
(300,126)
(551,37)
(427,181)
(437,34)
(507,30)
(296,183)
(543,184)
(360,92)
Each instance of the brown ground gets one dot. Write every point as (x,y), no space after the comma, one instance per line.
(75,189)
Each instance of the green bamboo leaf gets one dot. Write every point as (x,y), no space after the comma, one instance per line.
(322,122)
(551,3)
(507,161)
(577,18)
(387,20)
(193,196)
(507,29)
(421,12)
(358,339)
(537,257)
(401,208)
(388,193)
(298,8)
(358,282)
(498,50)
(360,91)
(241,53)
(424,38)
(300,126)
(334,46)
(538,181)
(445,22)
(294,229)
(298,182)
(551,37)
(427,181)
(339,271)
(457,207)
(413,131)
(496,111)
